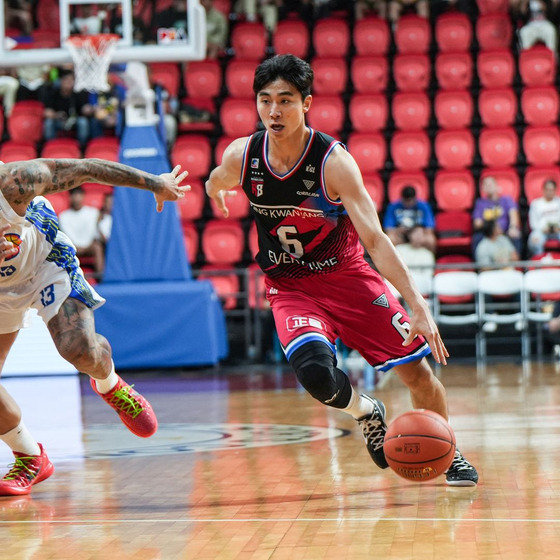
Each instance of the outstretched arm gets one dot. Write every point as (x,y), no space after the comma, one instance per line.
(23,180)
(226,176)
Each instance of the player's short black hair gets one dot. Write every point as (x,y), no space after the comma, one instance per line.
(284,67)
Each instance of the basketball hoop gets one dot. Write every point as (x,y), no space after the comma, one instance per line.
(92,56)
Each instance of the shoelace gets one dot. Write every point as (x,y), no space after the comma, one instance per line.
(126,403)
(20,470)
(460,463)
(375,429)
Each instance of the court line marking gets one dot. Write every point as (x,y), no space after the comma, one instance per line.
(277,520)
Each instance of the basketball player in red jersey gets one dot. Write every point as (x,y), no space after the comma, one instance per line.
(311,209)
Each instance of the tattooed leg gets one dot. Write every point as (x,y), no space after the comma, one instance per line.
(73,332)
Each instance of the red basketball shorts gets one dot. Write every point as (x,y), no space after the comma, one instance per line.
(354,305)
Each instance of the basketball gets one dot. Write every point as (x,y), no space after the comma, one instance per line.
(419,445)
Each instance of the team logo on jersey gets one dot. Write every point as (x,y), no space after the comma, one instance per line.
(308,184)
(381,301)
(310,168)
(15,239)
(255,163)
(257,186)
(296,322)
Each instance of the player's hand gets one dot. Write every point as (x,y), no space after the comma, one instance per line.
(422,323)
(7,248)
(171,189)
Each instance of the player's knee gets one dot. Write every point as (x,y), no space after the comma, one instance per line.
(76,348)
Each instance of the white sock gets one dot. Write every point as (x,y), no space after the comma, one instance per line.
(358,407)
(20,439)
(105,385)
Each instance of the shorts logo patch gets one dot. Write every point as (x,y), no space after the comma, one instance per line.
(296,322)
(381,301)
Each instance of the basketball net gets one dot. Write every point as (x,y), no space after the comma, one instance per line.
(92,56)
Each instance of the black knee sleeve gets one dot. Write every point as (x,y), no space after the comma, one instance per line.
(315,367)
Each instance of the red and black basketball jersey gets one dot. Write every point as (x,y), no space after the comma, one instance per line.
(301,231)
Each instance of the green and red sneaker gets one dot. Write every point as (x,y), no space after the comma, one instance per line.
(26,471)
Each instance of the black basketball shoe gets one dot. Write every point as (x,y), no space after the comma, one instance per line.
(374,428)
(461,472)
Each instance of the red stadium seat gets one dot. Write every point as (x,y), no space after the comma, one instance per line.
(537,66)
(493,6)
(237,204)
(454,149)
(507,179)
(103,147)
(497,107)
(369,151)
(248,41)
(410,150)
(541,145)
(94,194)
(453,32)
(494,31)
(454,70)
(374,186)
(256,290)
(371,37)
(191,206)
(25,123)
(60,201)
(498,147)
(223,242)
(453,109)
(539,105)
(167,75)
(454,232)
(496,69)
(61,148)
(368,113)
(193,153)
(45,38)
(411,72)
(535,178)
(191,240)
(12,150)
(239,76)
(225,282)
(331,37)
(454,190)
(222,143)
(411,111)
(401,179)
(203,79)
(370,74)
(253,239)
(330,76)
(238,117)
(412,34)
(291,37)
(327,114)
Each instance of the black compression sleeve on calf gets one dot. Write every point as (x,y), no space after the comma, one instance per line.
(315,367)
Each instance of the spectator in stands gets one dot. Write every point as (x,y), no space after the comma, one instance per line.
(402,215)
(363,8)
(33,81)
(544,218)
(216,29)
(105,221)
(302,9)
(66,109)
(493,206)
(267,10)
(8,91)
(537,27)
(90,21)
(173,17)
(396,8)
(80,224)
(105,112)
(495,247)
(416,256)
(18,15)
(553,331)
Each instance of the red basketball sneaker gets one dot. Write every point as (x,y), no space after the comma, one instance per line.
(134,410)
(25,472)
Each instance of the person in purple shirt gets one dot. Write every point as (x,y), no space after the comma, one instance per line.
(501,208)
(401,216)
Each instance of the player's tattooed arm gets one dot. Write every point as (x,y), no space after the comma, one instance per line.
(22,181)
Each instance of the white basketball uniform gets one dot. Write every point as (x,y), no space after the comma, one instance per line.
(44,272)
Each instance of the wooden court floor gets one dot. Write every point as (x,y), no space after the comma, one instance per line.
(247,466)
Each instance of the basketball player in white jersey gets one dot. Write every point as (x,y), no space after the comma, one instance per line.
(39,269)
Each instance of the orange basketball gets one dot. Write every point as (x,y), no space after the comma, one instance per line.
(419,445)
